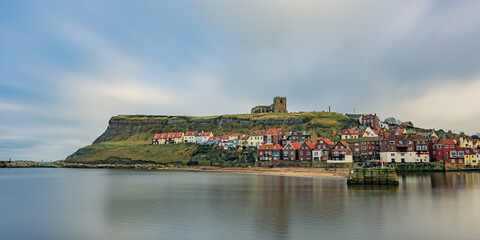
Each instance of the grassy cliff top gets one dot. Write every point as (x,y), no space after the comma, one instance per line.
(253,117)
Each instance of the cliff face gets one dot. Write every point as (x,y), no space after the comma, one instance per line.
(142,127)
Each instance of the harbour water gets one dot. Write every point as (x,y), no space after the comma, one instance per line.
(127,204)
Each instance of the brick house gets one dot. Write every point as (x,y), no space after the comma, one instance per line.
(404,148)
(269,152)
(365,147)
(290,151)
(341,153)
(301,137)
(324,143)
(305,151)
(272,136)
(370,120)
(441,151)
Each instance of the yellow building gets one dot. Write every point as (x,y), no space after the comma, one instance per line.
(179,137)
(162,138)
(256,139)
(190,137)
(465,142)
(470,157)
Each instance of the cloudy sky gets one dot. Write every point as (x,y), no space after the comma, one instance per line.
(66,67)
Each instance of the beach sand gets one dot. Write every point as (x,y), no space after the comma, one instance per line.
(301,172)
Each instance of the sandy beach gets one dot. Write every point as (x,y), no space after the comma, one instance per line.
(302,172)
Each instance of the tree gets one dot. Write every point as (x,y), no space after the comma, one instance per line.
(392,121)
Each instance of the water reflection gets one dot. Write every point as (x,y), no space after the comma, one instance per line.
(126,204)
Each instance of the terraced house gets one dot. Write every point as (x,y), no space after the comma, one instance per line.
(269,152)
(341,153)
(290,151)
(190,137)
(203,137)
(305,151)
(403,148)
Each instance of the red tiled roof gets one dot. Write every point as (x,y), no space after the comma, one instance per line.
(406,123)
(311,145)
(157,136)
(213,139)
(224,137)
(179,134)
(349,132)
(191,133)
(258,133)
(270,147)
(163,135)
(326,140)
(295,145)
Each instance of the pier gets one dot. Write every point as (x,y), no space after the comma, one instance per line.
(372,176)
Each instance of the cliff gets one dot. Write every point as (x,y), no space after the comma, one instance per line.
(143,127)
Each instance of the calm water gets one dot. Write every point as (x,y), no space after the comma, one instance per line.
(125,204)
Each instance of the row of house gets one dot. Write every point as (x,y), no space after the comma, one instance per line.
(181,137)
(255,139)
(391,147)
(322,150)
(395,146)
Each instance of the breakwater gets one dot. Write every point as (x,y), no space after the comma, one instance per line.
(378,176)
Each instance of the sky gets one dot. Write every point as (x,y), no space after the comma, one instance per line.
(66,67)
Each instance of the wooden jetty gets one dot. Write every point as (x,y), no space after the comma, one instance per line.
(372,176)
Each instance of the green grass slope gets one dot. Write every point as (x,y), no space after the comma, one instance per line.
(134,152)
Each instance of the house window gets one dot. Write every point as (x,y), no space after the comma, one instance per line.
(451,146)
(392,142)
(392,154)
(446,146)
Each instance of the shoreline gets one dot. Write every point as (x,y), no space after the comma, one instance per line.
(293,172)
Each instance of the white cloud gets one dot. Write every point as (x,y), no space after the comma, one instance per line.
(451,106)
(10,107)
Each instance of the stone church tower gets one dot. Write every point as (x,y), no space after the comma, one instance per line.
(279,106)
